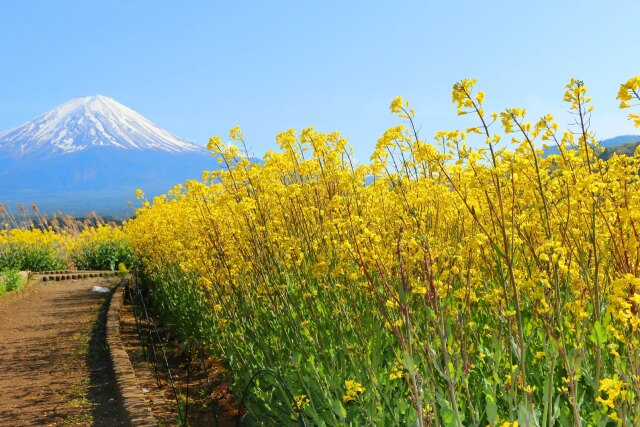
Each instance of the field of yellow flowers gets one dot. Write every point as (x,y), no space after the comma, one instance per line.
(439,284)
(57,246)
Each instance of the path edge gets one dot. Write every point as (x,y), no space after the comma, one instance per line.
(136,406)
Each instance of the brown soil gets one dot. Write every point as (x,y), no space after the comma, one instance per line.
(55,364)
(210,402)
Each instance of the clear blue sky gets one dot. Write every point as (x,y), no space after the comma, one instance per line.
(197,68)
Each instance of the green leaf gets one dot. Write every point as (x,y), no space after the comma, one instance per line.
(408,363)
(402,294)
(447,328)
(526,417)
(339,410)
(565,416)
(598,335)
(498,250)
(448,417)
(492,409)
(446,411)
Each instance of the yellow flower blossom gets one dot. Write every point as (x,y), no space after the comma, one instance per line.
(353,389)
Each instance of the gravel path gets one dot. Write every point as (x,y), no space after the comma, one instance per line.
(55,367)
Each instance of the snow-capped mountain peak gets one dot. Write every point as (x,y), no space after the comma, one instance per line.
(90,121)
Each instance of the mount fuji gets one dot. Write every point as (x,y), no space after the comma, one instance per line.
(90,121)
(92,153)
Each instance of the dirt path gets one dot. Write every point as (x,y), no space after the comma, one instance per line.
(54,365)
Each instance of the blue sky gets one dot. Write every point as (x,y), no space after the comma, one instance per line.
(197,68)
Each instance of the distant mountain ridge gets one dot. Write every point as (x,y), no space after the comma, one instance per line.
(92,153)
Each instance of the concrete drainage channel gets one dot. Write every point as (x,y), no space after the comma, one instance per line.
(134,402)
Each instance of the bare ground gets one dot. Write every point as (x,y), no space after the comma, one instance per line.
(55,367)
(210,401)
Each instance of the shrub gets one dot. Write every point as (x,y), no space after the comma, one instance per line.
(10,280)
(101,248)
(32,250)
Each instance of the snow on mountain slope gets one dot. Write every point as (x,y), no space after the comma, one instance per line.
(90,121)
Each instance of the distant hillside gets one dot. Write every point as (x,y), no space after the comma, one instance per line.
(628,148)
(619,140)
(619,144)
(97,179)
